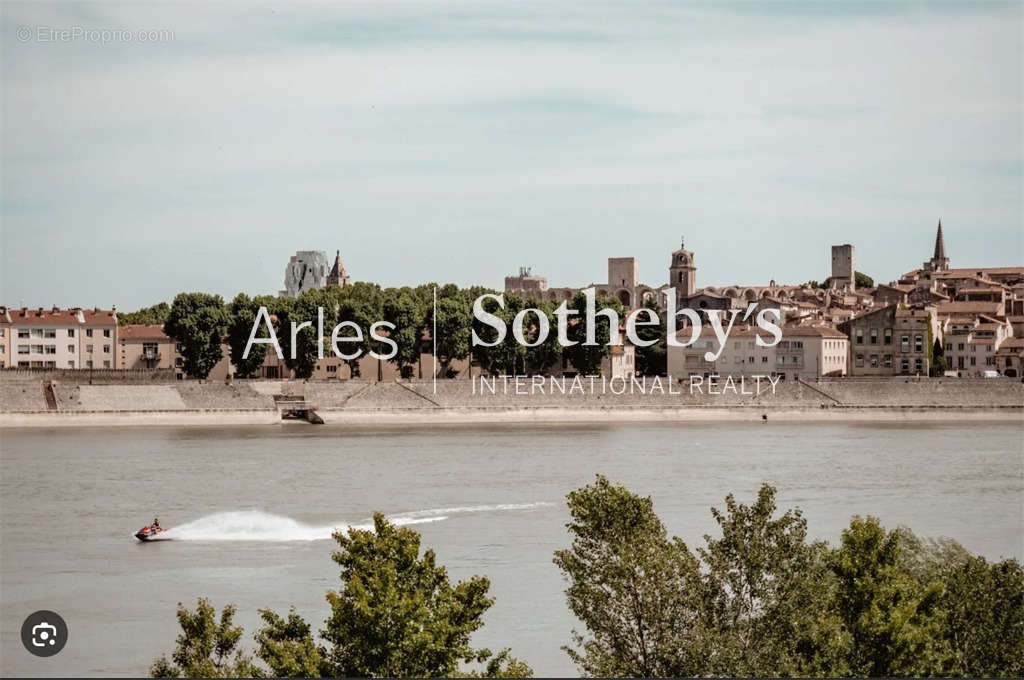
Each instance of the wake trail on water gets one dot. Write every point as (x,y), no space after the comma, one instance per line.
(255,525)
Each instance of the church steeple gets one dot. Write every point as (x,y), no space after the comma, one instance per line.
(940,245)
(939,261)
(338,275)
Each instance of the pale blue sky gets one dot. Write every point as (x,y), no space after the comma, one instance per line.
(457,141)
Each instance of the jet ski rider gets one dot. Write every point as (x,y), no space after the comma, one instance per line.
(156,524)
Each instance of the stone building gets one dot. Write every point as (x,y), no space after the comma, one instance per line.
(843,272)
(894,340)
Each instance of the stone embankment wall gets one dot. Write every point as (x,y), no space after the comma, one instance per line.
(33,395)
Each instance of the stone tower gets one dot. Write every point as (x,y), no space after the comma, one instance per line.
(939,261)
(843,272)
(338,275)
(306,270)
(682,272)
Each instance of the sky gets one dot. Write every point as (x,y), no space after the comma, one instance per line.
(458,141)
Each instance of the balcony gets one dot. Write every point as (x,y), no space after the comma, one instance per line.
(150,355)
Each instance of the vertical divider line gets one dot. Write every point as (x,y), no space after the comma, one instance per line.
(433,336)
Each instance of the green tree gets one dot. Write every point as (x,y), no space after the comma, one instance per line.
(403,308)
(454,324)
(286,645)
(198,321)
(397,614)
(307,349)
(761,579)
(894,623)
(587,359)
(359,304)
(653,360)
(242,313)
(206,647)
(862,280)
(637,591)
(538,360)
(984,606)
(155,315)
(508,356)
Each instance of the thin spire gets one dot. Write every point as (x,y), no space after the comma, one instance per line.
(940,245)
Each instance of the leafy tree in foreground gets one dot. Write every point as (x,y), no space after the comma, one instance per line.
(396,615)
(636,590)
(199,322)
(206,648)
(764,589)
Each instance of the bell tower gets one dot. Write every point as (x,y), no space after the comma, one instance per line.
(682,272)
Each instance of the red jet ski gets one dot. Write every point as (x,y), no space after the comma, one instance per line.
(151,533)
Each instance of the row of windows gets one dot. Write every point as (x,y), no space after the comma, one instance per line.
(52,349)
(52,364)
(52,332)
(960,347)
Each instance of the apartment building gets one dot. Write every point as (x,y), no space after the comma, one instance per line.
(146,346)
(894,340)
(972,342)
(805,351)
(5,338)
(61,338)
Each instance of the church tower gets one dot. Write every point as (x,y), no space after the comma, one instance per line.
(338,275)
(682,272)
(939,261)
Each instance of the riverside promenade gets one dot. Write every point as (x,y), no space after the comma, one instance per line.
(34,402)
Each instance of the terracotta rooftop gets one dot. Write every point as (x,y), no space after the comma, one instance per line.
(142,332)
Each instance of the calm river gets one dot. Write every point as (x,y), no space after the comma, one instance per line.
(253,509)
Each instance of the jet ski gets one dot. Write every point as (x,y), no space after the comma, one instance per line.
(151,533)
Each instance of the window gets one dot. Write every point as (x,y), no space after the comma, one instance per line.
(88,364)
(917,365)
(973,361)
(989,361)
(71,348)
(106,364)
(918,343)
(3,332)
(37,349)
(905,365)
(750,360)
(960,347)
(71,332)
(949,347)
(178,362)
(88,332)
(332,369)
(860,336)
(50,333)
(874,336)
(88,349)
(764,359)
(71,364)
(860,361)
(106,332)
(905,343)
(106,349)
(23,333)
(23,349)
(874,361)
(22,364)
(37,332)
(50,349)
(887,361)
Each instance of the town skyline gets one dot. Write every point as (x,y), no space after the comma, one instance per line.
(555,280)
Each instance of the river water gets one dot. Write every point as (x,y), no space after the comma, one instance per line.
(253,509)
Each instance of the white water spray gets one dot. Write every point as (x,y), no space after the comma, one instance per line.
(254,525)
